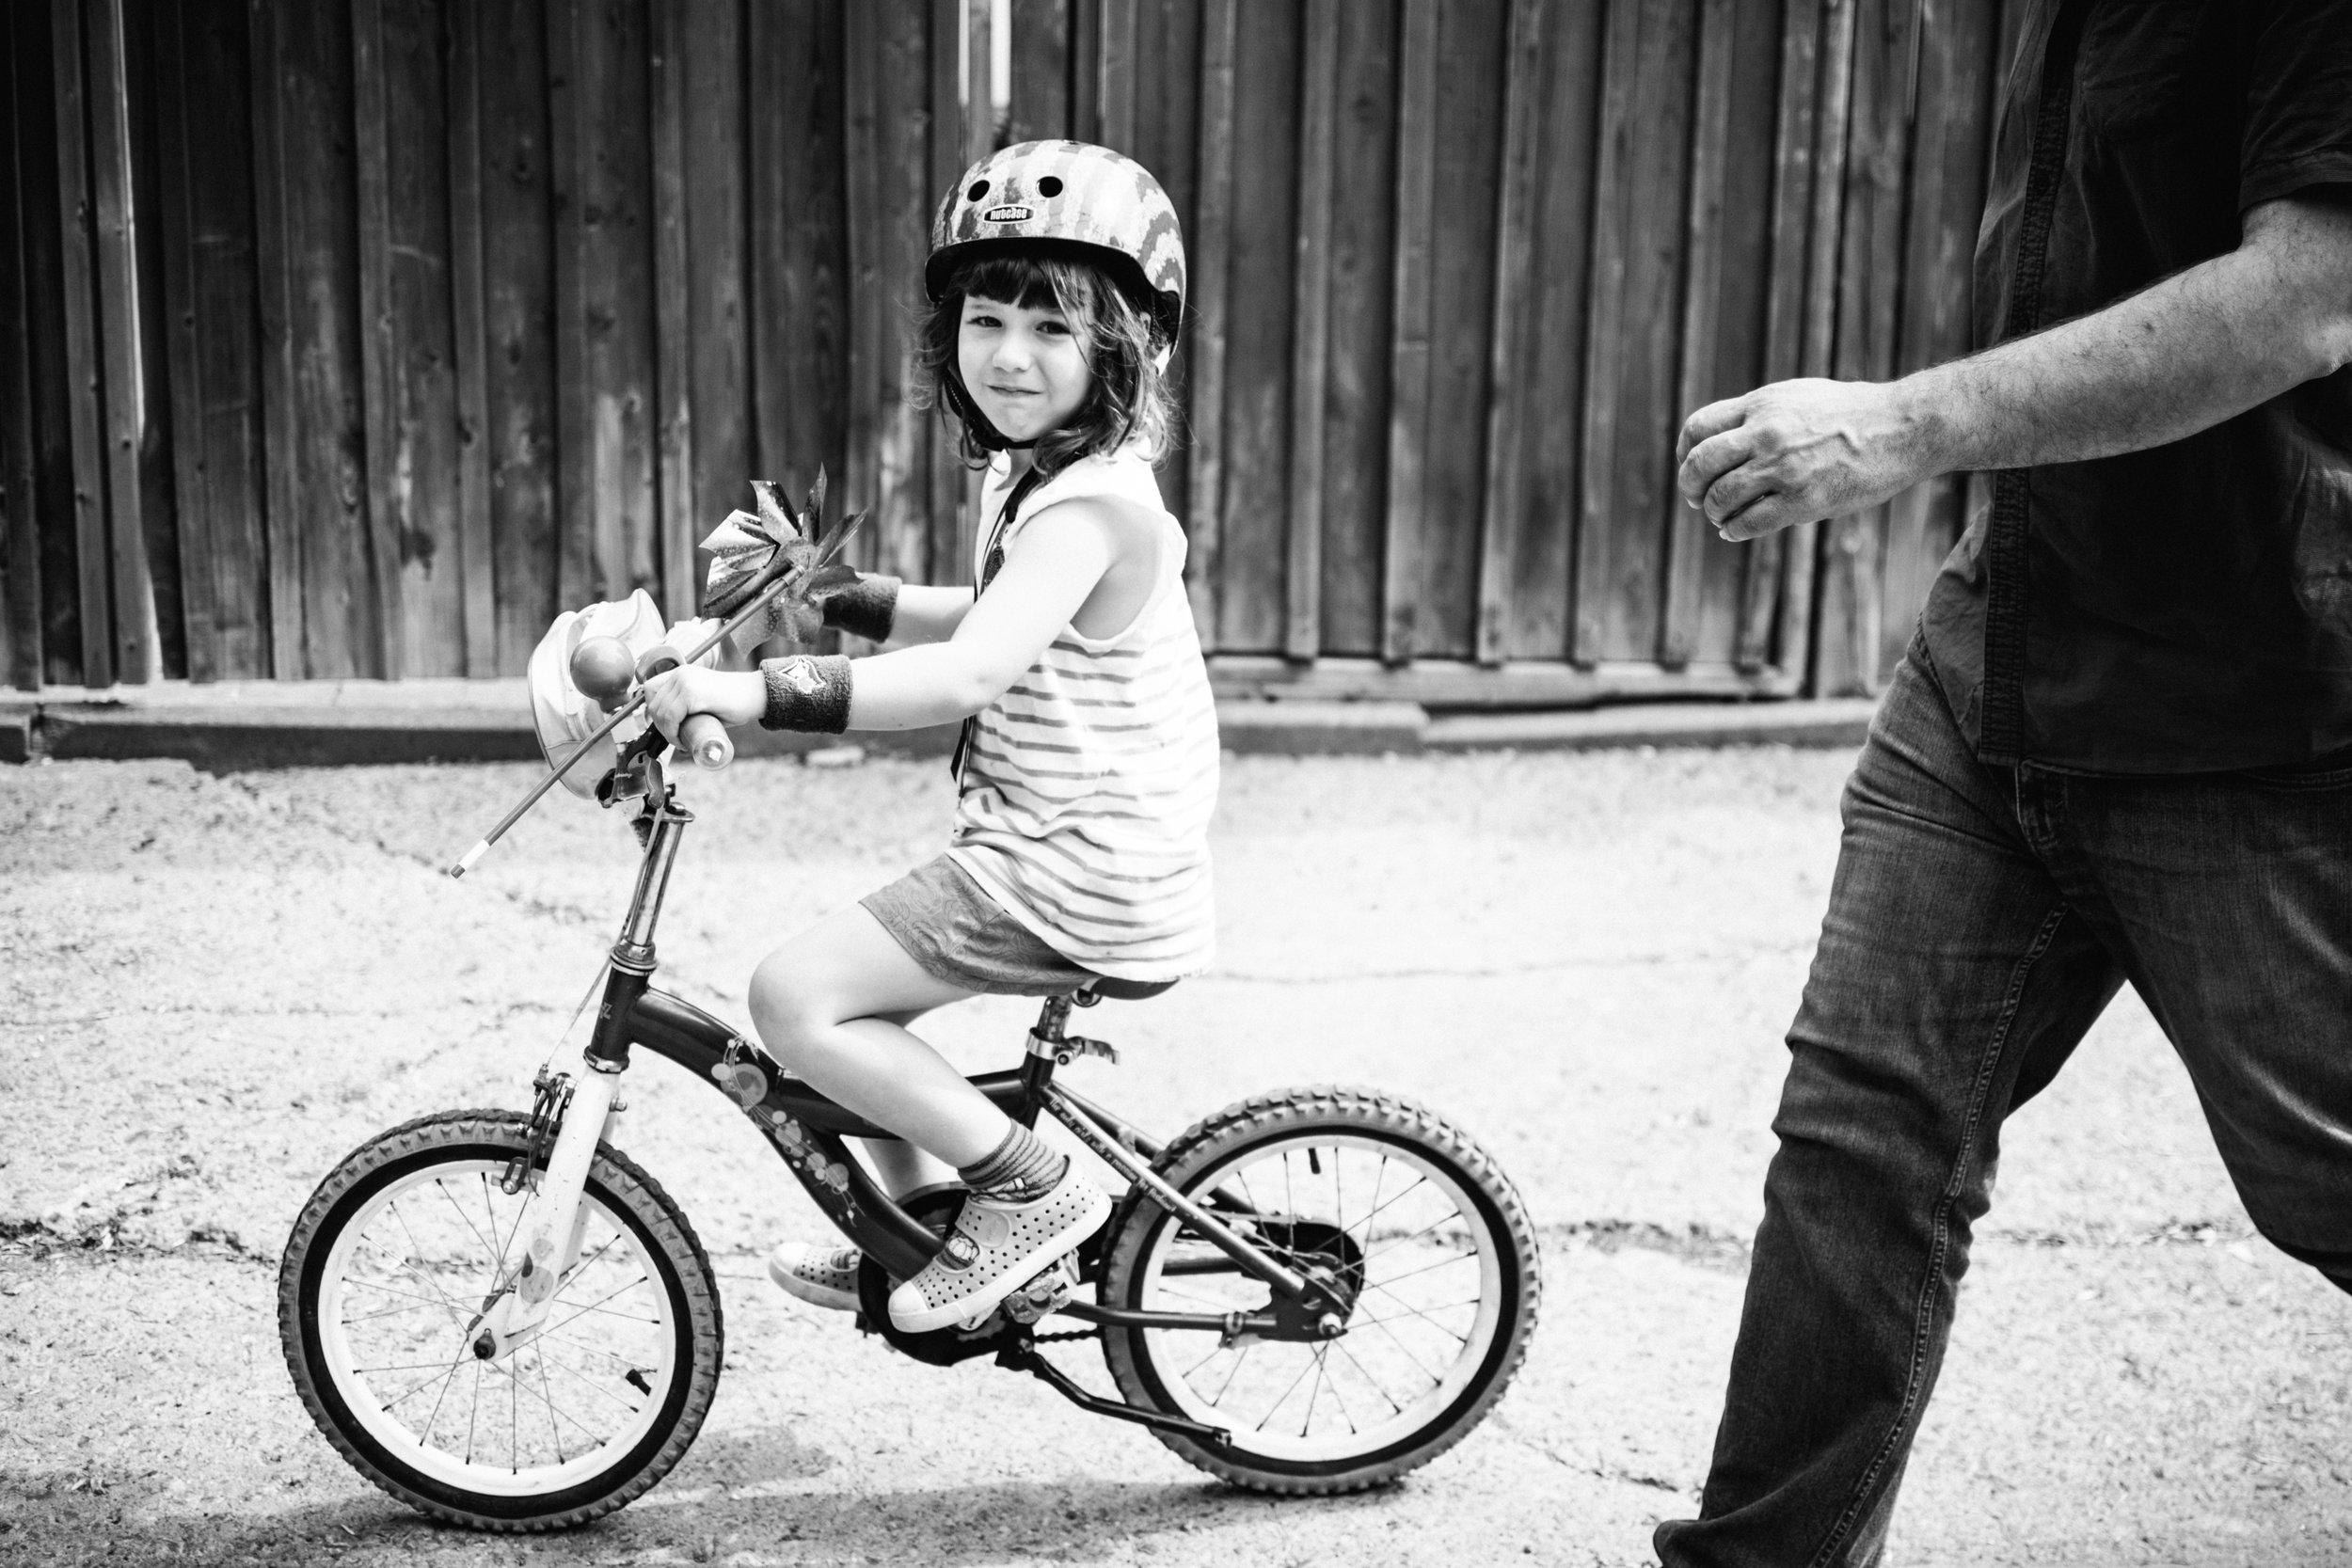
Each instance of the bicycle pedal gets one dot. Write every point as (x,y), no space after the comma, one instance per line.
(1044,1295)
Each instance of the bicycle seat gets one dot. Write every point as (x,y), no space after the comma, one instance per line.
(1122,991)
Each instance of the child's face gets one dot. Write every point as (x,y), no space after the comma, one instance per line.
(1022,366)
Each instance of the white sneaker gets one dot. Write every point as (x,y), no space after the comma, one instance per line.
(994,1249)
(819,1275)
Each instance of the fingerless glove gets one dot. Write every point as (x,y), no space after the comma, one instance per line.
(807,691)
(866,608)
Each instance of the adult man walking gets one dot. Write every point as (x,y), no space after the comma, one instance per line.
(2121,746)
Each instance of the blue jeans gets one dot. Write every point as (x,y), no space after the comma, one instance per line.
(1981,919)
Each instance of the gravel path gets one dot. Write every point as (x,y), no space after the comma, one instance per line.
(216,987)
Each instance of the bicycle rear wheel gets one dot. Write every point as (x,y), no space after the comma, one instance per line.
(392,1262)
(1423,1235)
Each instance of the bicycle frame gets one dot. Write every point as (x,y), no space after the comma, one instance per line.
(806,1128)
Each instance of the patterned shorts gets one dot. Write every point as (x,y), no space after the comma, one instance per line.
(948,925)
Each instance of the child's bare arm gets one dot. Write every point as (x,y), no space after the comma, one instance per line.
(1051,566)
(928,615)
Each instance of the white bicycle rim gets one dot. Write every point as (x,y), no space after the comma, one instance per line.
(603,1413)
(1378,1383)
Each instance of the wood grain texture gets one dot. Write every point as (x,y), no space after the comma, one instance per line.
(1253,538)
(1115,68)
(85,413)
(1705,258)
(175,209)
(1640,205)
(1852,603)
(1509,347)
(673,329)
(710,40)
(379,347)
(21,616)
(274,282)
(954,490)
(1310,323)
(1817,335)
(138,646)
(1408,363)
(470,334)
(801,240)
(1356,361)
(1168,142)
(1041,68)
(1210,281)
(520,261)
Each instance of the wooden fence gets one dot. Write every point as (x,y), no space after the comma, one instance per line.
(358,337)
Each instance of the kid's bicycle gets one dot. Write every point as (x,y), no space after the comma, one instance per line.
(502,1321)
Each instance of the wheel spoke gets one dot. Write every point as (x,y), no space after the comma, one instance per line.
(1394,1408)
(442,1188)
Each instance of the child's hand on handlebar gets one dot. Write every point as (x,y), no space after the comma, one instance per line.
(731,696)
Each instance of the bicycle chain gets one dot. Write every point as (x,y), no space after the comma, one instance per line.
(1065,1335)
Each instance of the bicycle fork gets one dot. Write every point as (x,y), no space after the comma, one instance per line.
(554,1218)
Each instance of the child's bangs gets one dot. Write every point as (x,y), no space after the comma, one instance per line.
(1013,279)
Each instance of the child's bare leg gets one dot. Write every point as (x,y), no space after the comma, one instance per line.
(824,1003)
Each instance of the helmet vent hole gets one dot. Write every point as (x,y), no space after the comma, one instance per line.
(979,189)
(1050,186)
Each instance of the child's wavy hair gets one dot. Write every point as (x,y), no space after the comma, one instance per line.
(1128,401)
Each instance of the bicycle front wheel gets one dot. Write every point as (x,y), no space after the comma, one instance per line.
(389,1268)
(1421,1233)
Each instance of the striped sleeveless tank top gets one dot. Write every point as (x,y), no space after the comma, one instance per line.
(1086,788)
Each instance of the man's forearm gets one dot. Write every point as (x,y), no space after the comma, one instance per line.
(2194,350)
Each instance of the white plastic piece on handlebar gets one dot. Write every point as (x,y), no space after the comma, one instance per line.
(471,859)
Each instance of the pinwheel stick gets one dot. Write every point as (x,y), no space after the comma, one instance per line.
(772,579)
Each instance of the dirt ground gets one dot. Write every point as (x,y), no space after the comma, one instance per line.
(210,989)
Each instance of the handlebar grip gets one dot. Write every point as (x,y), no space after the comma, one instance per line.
(706,741)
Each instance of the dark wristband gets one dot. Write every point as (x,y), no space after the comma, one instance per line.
(807,691)
(867,607)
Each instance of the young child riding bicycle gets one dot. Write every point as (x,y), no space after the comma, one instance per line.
(1089,767)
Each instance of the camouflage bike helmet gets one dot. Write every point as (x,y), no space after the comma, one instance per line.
(1060,194)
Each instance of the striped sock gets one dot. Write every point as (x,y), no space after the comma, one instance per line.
(1023,1168)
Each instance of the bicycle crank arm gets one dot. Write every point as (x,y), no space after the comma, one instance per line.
(1022,1356)
(551,1221)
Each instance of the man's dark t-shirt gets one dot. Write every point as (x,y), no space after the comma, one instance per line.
(2188,608)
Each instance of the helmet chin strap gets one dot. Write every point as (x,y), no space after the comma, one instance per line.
(983,430)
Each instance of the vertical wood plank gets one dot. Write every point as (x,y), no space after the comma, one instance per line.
(1471,43)
(21,642)
(1820,314)
(1253,539)
(1168,142)
(973,90)
(1086,71)
(379,347)
(800,239)
(521,257)
(674,423)
(1688,534)
(469,320)
(136,646)
(954,490)
(274,272)
(180,139)
(1408,372)
(576,578)
(1762,586)
(1210,255)
(1115,70)
(861,66)
(1852,604)
(718,259)
(1509,347)
(81,349)
(1041,69)
(1356,367)
(1311,320)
